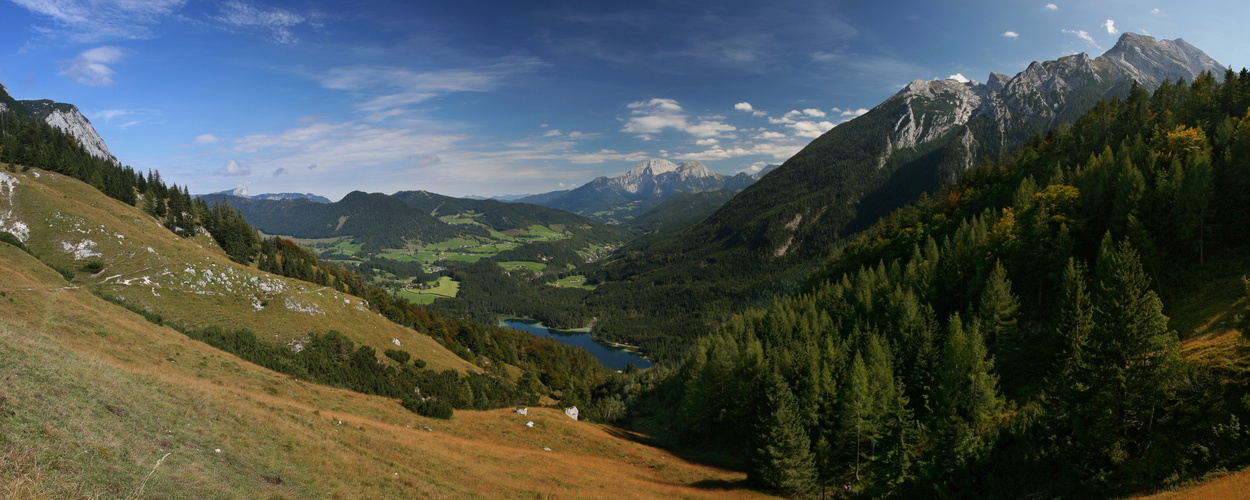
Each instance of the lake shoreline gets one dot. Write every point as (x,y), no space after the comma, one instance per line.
(600,349)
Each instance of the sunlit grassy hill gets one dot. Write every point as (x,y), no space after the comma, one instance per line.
(96,402)
(189,282)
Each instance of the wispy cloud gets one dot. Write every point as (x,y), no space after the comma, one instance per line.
(1084,35)
(1010,34)
(385,88)
(1110,27)
(206,139)
(126,118)
(274,22)
(90,21)
(90,67)
(1052,7)
(777,151)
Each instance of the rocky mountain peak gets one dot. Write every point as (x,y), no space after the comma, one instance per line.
(1151,61)
(694,169)
(654,166)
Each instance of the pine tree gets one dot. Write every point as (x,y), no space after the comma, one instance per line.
(998,307)
(969,390)
(782,458)
(1073,315)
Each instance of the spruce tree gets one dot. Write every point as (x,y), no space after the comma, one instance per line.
(969,390)
(998,307)
(782,460)
(1073,315)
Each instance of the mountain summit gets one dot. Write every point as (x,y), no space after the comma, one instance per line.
(640,189)
(1151,61)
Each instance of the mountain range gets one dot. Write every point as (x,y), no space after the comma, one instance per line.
(778,230)
(645,185)
(242,193)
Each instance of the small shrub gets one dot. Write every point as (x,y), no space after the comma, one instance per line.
(9,238)
(432,408)
(65,271)
(399,356)
(419,363)
(93,267)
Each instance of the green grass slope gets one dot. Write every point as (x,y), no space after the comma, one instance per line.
(190,282)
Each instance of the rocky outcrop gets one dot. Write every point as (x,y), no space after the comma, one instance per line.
(67,118)
(1151,61)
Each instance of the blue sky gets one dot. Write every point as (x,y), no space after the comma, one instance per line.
(489,98)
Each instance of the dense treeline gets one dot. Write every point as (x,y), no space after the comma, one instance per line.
(487,292)
(1007,339)
(557,255)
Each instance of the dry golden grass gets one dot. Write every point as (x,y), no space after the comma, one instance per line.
(1232,486)
(94,396)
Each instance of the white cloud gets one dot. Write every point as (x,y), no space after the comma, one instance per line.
(384,87)
(850,112)
(652,117)
(1010,34)
(234,169)
(1083,35)
(816,113)
(1051,6)
(89,68)
(777,151)
(276,22)
(90,21)
(706,142)
(206,139)
(959,77)
(789,117)
(770,135)
(810,129)
(1154,10)
(1110,26)
(743,106)
(552,133)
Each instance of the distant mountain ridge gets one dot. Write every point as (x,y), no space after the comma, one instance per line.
(242,193)
(645,185)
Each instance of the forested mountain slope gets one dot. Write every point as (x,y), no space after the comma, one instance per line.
(1011,337)
(373,219)
(776,231)
(504,216)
